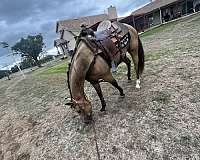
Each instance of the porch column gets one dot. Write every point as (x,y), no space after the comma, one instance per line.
(144,22)
(133,21)
(61,46)
(58,50)
(186,7)
(193,6)
(160,15)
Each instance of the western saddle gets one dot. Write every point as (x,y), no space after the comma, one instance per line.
(109,40)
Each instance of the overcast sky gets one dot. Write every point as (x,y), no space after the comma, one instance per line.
(18,18)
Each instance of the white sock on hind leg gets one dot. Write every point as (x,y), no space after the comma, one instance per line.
(138,83)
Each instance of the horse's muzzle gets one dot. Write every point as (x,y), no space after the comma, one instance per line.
(87,119)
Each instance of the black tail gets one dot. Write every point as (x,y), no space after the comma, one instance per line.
(140,56)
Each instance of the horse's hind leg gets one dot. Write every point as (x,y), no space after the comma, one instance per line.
(109,78)
(127,61)
(97,87)
(115,84)
(135,59)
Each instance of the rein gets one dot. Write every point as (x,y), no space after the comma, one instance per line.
(95,139)
(77,103)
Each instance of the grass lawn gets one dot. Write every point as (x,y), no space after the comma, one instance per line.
(61,68)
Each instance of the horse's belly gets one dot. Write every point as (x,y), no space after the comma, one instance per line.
(98,70)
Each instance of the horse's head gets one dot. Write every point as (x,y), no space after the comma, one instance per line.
(84,108)
(86,112)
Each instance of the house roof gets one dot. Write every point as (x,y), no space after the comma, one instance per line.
(74,24)
(153,6)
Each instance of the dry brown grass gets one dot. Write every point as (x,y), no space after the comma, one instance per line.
(160,121)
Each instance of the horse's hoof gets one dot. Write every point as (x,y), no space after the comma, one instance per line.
(87,119)
(137,86)
(103,110)
(122,95)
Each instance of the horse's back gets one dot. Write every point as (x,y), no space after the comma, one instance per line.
(131,28)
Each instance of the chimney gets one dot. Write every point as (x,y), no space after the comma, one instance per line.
(112,12)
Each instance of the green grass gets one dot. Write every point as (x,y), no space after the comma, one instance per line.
(153,56)
(61,68)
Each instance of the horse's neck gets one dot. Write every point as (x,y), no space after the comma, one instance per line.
(80,65)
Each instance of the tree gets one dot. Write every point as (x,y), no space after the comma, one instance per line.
(30,47)
(4,73)
(14,69)
(27,63)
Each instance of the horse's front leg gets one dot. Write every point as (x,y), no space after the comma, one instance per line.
(97,87)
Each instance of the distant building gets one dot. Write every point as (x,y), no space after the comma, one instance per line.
(69,29)
(160,11)
(154,13)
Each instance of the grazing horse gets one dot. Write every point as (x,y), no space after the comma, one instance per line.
(86,65)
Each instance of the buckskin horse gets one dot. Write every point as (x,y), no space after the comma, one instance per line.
(86,64)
